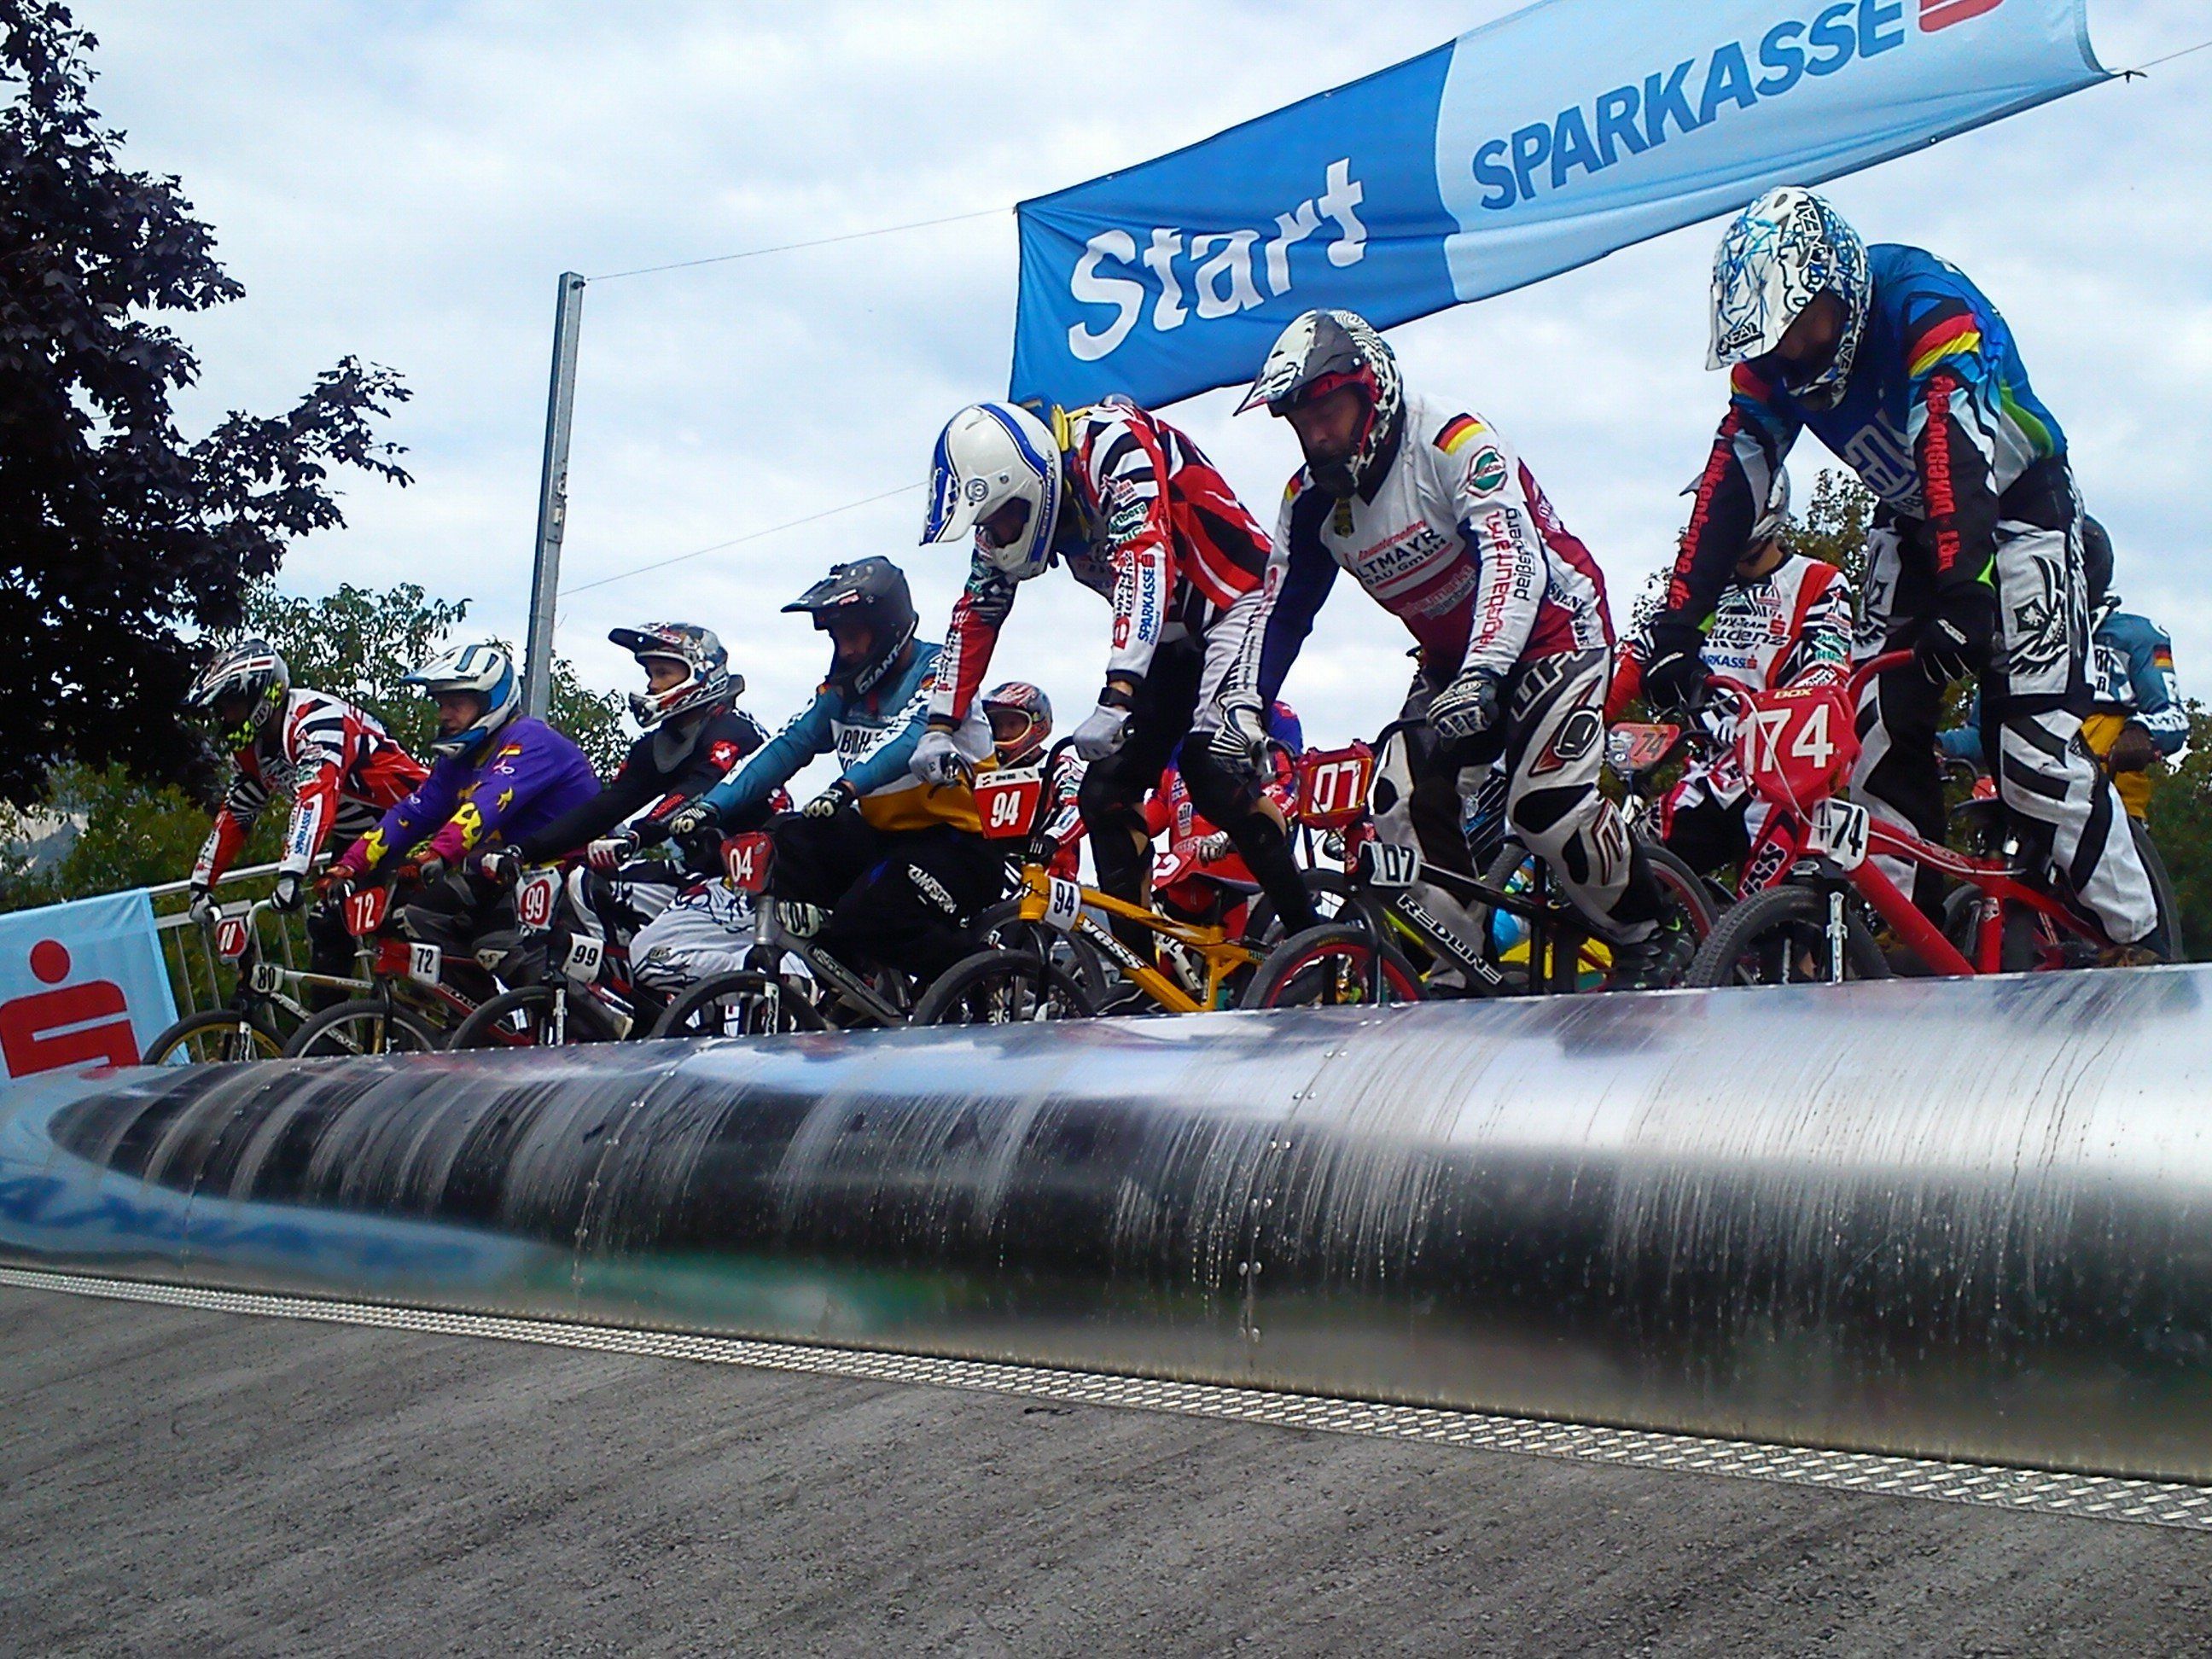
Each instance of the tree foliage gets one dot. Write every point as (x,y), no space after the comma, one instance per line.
(121,540)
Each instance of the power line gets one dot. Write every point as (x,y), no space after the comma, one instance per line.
(735,541)
(788,248)
(2130,74)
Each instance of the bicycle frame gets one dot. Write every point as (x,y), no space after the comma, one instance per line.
(1786,850)
(261,984)
(1054,901)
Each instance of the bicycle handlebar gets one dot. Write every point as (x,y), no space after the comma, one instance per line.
(1887,661)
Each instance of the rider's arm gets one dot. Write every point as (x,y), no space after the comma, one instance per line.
(430,805)
(632,787)
(1491,505)
(2158,707)
(1282,608)
(1949,426)
(977,616)
(1125,476)
(233,821)
(775,763)
(1755,437)
(319,766)
(889,763)
(1627,675)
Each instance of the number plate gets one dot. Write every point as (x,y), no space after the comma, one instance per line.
(1629,747)
(266,979)
(583,960)
(747,858)
(1798,744)
(534,898)
(365,911)
(423,961)
(231,934)
(1839,830)
(1382,865)
(1006,802)
(1333,785)
(1064,904)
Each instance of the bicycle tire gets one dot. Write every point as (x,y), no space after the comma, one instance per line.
(309,1041)
(1296,974)
(994,982)
(1262,929)
(788,1011)
(1685,886)
(585,1022)
(1001,926)
(243,1030)
(1783,916)
(2166,938)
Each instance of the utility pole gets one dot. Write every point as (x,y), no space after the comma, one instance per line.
(552,499)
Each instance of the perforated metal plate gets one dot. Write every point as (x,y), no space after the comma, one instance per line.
(2089,1496)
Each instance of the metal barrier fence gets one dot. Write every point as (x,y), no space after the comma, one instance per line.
(196,978)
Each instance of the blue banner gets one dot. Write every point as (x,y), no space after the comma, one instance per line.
(1520,150)
(81,984)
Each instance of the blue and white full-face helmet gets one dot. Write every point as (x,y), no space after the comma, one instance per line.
(486,669)
(1781,253)
(991,456)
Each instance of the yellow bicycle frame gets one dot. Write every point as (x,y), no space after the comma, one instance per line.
(1222,955)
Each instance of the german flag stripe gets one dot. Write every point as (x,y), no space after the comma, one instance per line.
(2162,656)
(1457,431)
(1955,337)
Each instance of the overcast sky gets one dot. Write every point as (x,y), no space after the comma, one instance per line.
(405,180)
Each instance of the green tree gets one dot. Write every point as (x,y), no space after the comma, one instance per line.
(2181,824)
(356,643)
(121,539)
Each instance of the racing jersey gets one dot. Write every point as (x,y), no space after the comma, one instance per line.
(1169,810)
(1936,418)
(1456,540)
(663,768)
(873,734)
(336,762)
(504,789)
(2132,674)
(1149,524)
(1792,624)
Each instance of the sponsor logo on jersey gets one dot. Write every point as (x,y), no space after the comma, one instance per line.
(724,754)
(1486,471)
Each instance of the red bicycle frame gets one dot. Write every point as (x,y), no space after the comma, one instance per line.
(1796,745)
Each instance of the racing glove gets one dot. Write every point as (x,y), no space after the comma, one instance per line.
(338,886)
(202,907)
(502,867)
(608,852)
(691,819)
(1468,707)
(1674,671)
(937,760)
(2133,750)
(829,801)
(1106,729)
(1212,848)
(1240,742)
(1955,641)
(290,894)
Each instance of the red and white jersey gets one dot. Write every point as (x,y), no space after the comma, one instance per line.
(1149,524)
(1459,542)
(1791,624)
(340,767)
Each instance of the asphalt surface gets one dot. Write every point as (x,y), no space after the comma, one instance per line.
(176,1481)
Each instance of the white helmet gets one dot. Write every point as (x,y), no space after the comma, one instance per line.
(988,455)
(486,669)
(1778,255)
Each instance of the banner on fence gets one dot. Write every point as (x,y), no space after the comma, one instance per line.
(1522,149)
(81,984)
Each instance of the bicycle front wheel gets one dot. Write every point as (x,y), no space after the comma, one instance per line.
(532,1016)
(1781,937)
(743,1003)
(1002,987)
(1336,964)
(215,1036)
(368,1025)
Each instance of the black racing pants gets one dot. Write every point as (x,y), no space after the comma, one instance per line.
(1114,789)
(902,897)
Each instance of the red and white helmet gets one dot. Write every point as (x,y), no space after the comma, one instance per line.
(249,668)
(707,678)
(1030,703)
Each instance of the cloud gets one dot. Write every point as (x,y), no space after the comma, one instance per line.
(407,181)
